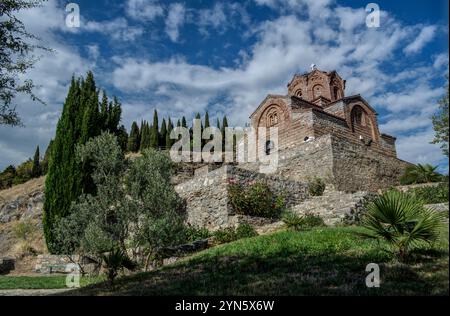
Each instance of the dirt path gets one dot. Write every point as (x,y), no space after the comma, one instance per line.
(32,292)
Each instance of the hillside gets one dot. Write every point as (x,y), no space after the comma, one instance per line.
(323,261)
(22,205)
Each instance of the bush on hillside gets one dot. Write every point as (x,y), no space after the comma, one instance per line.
(255,199)
(230,234)
(416,174)
(432,194)
(401,220)
(297,222)
(316,187)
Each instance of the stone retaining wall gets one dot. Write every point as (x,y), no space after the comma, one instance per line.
(207,201)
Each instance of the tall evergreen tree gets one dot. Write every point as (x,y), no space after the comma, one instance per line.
(154,133)
(169,141)
(67,179)
(207,120)
(224,126)
(163,134)
(218,123)
(183,122)
(36,169)
(134,140)
(145,136)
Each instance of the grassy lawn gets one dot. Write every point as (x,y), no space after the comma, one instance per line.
(323,261)
(39,282)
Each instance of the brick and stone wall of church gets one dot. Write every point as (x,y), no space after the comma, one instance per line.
(206,195)
(359,168)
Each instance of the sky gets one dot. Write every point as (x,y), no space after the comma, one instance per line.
(184,57)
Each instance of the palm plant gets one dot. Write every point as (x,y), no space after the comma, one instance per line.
(402,221)
(420,174)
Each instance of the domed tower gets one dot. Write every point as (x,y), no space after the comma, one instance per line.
(319,87)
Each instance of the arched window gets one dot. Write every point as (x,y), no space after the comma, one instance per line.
(336,93)
(272,118)
(299,93)
(359,116)
(317,90)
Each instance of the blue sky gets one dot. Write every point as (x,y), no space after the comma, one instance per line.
(183,57)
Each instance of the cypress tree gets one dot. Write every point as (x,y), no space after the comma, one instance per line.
(218,123)
(163,134)
(145,137)
(67,178)
(224,125)
(36,169)
(207,120)
(134,138)
(154,133)
(183,122)
(169,141)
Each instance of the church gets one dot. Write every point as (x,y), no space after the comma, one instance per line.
(322,133)
(316,105)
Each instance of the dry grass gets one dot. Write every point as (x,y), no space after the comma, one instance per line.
(22,189)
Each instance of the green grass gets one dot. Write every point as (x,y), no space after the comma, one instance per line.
(40,282)
(322,261)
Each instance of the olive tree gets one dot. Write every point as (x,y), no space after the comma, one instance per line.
(135,206)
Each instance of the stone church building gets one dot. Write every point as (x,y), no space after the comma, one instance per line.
(316,105)
(321,133)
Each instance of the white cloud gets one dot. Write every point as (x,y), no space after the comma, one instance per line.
(425,36)
(175,19)
(416,148)
(117,29)
(144,10)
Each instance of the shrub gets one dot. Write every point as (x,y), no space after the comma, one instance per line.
(316,187)
(311,220)
(255,200)
(245,231)
(292,221)
(230,234)
(116,261)
(431,194)
(420,174)
(402,221)
(296,222)
(194,234)
(24,231)
(225,235)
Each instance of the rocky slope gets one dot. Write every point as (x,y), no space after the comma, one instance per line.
(21,206)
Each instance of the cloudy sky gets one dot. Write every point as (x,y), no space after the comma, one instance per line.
(183,57)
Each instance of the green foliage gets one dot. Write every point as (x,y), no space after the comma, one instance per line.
(145,136)
(224,235)
(255,199)
(135,206)
(134,138)
(431,194)
(230,234)
(154,132)
(297,223)
(36,169)
(83,117)
(194,234)
(440,123)
(401,220)
(7,177)
(17,47)
(316,187)
(245,231)
(416,174)
(115,262)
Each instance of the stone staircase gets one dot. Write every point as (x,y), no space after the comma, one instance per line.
(332,206)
